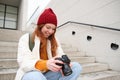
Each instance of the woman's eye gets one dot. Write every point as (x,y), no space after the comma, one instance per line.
(48,27)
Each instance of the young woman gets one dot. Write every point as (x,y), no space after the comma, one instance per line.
(37,52)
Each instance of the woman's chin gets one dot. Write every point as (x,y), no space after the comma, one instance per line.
(46,36)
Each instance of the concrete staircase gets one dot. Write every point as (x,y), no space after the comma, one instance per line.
(8,53)
(92,70)
(8,65)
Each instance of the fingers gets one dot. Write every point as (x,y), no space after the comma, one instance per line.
(58,61)
(51,64)
(62,72)
(70,65)
(53,68)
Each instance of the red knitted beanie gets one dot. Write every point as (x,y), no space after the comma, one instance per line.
(48,16)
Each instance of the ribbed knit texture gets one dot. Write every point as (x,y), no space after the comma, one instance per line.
(48,16)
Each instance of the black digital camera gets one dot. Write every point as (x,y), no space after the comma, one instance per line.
(65,67)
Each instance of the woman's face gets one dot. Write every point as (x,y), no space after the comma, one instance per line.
(48,29)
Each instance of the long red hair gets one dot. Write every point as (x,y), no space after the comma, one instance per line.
(43,40)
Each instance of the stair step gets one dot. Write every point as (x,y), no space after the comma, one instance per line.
(8,63)
(102,75)
(10,44)
(70,49)
(7,74)
(8,55)
(10,35)
(83,59)
(94,67)
(75,54)
(8,70)
(8,49)
(65,45)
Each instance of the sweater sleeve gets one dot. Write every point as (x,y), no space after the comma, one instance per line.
(41,65)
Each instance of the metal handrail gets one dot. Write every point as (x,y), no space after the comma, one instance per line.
(89,25)
(33,14)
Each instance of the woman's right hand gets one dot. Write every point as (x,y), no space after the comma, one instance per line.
(51,64)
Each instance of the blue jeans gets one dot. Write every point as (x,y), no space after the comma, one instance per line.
(37,75)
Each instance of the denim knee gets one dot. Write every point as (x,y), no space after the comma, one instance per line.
(34,75)
(76,67)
